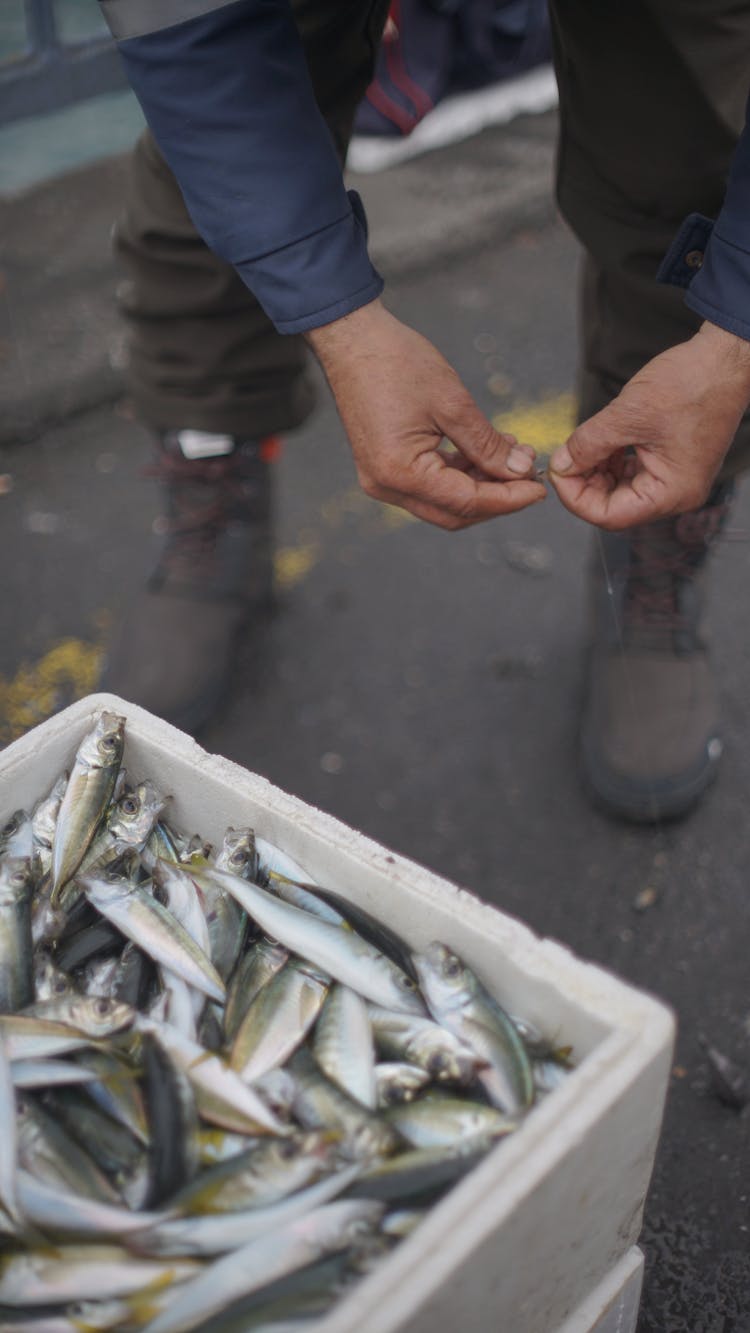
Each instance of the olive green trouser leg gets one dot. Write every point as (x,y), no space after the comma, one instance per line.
(202,353)
(652,99)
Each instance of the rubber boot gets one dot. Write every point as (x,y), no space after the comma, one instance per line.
(650,742)
(174,650)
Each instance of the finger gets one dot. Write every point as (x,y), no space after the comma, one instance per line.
(452,458)
(457,500)
(461,464)
(591,444)
(498,455)
(615,505)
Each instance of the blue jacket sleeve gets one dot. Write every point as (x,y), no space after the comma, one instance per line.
(712,259)
(229,99)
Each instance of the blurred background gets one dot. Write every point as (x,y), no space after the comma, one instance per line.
(423,687)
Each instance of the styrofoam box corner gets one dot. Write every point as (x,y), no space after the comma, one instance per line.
(524,1240)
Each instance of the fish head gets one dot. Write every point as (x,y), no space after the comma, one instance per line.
(453,1065)
(12,826)
(445,980)
(238,854)
(49,981)
(407,999)
(16,879)
(347,1222)
(135,813)
(100,1015)
(104,744)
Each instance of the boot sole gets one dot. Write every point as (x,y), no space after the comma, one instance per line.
(645,803)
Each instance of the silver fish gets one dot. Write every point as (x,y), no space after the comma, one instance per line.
(16,968)
(336,950)
(180,896)
(459,1001)
(35,1038)
(62,1213)
(47,1074)
(17,836)
(325,1230)
(253,970)
(50,982)
(47,1151)
(343,1046)
(271,860)
(8,1143)
(127,823)
(300,895)
(319,1103)
(226,921)
(264,1174)
(221,1095)
(420,1041)
(45,815)
(156,931)
(211,1235)
(90,1272)
(239,853)
(278,1019)
(87,795)
(93,1015)
(437,1121)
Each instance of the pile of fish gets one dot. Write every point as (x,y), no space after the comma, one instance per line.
(225,1092)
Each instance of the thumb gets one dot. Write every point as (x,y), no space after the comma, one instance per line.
(591,443)
(495,453)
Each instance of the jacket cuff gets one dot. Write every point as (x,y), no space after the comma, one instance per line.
(316,279)
(686,254)
(715,272)
(720,292)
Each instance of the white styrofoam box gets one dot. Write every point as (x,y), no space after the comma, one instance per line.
(613,1306)
(523,1240)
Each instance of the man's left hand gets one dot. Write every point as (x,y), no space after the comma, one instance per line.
(656,448)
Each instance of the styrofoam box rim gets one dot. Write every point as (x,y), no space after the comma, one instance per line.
(627,1029)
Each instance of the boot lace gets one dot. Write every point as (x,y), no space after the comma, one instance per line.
(663,556)
(201,494)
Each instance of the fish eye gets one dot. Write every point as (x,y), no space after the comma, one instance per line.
(407,982)
(239,857)
(452,966)
(18,878)
(60,986)
(128,805)
(108,742)
(288,1149)
(102,1006)
(11,827)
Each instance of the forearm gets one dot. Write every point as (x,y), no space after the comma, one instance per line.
(229,99)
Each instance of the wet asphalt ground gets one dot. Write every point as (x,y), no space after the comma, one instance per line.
(425,688)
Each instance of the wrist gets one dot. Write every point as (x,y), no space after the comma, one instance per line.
(345,335)
(729,353)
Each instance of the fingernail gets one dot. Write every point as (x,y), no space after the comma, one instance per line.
(519,461)
(561,460)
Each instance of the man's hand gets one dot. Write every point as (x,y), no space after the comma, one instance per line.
(399,400)
(656,448)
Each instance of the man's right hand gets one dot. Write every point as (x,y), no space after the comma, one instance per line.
(399,400)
